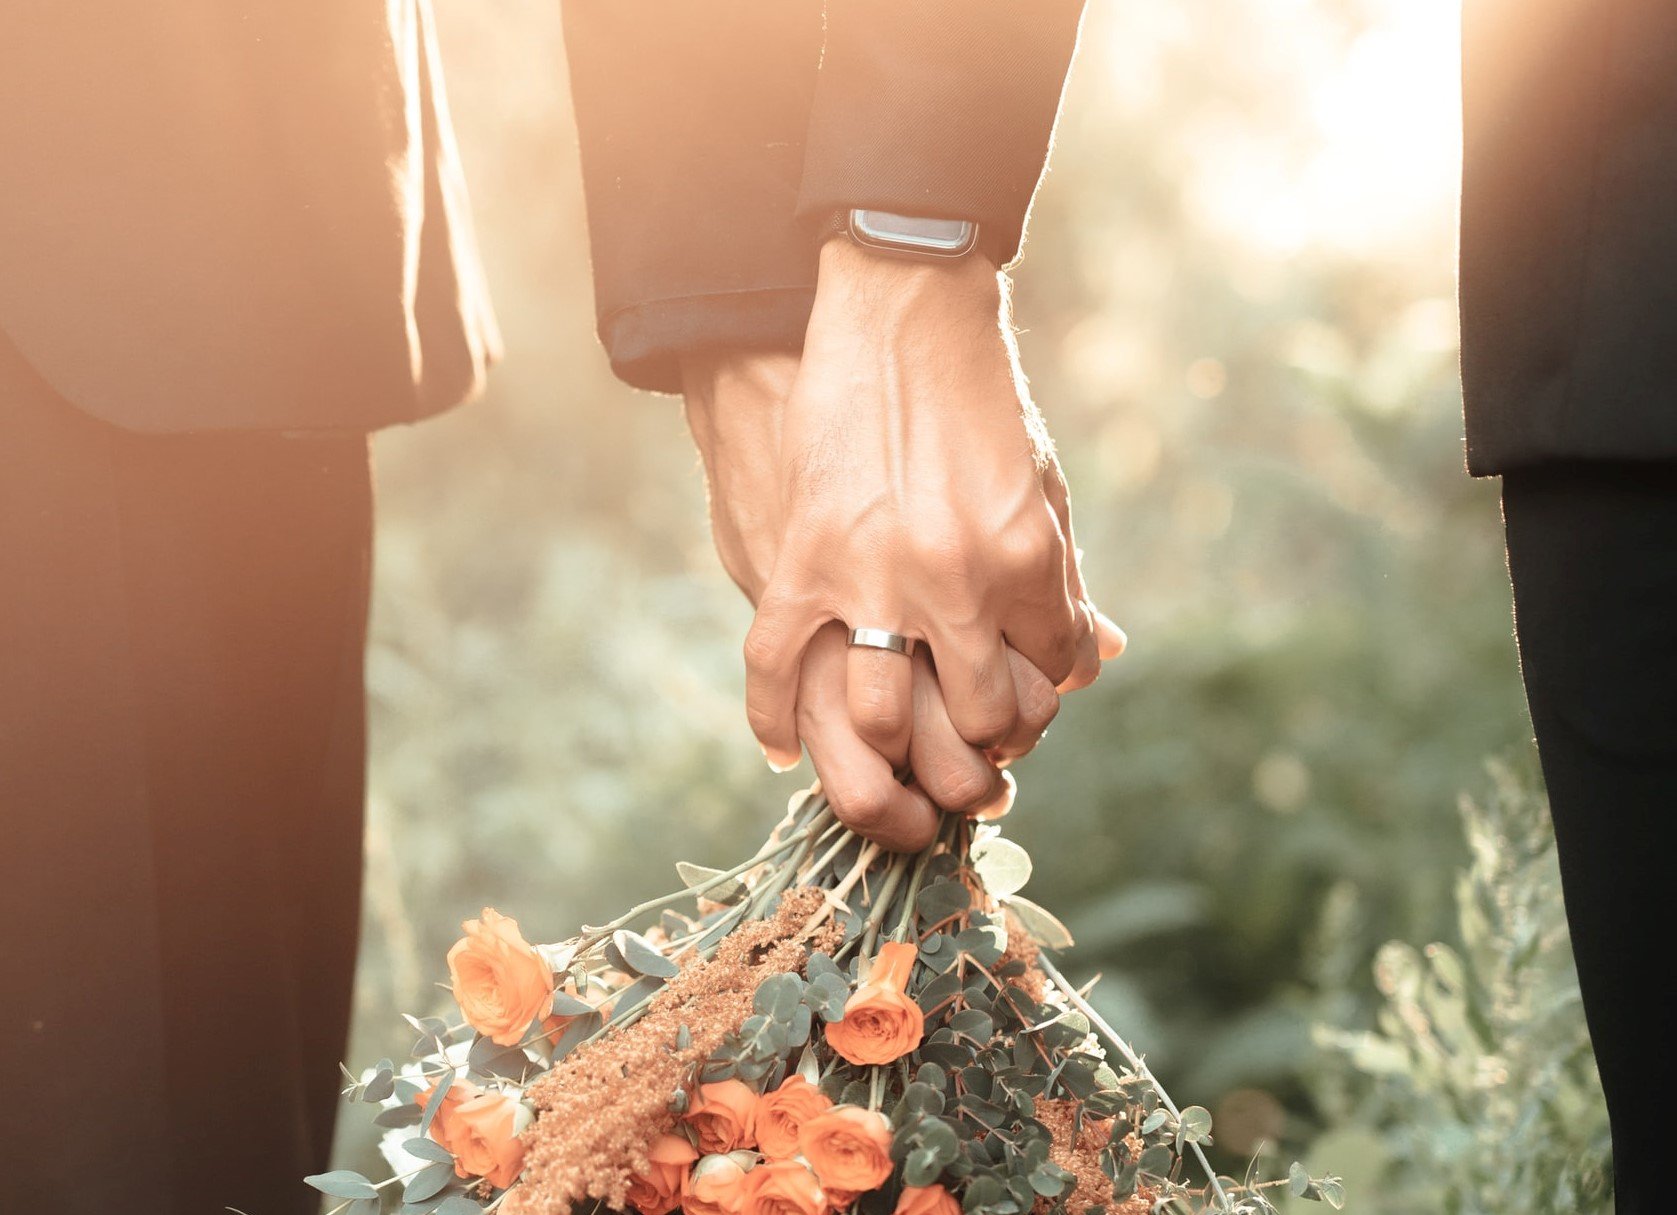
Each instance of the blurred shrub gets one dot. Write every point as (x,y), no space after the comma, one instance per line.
(1478,1091)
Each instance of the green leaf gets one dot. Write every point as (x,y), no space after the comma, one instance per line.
(643,956)
(1002,865)
(397,1116)
(1298,1180)
(1156,1161)
(1042,925)
(820,964)
(940,900)
(921,1167)
(778,996)
(436,1101)
(488,1058)
(1046,1183)
(342,1183)
(456,1205)
(567,1005)
(692,876)
(1154,1121)
(827,994)
(382,1085)
(427,1183)
(1194,1125)
(576,1032)
(632,995)
(428,1149)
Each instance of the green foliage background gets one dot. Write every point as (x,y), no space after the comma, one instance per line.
(1250,369)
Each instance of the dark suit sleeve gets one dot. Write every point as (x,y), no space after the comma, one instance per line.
(717,134)
(938,107)
(691,117)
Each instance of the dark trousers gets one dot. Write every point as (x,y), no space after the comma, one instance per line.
(1592,548)
(182,621)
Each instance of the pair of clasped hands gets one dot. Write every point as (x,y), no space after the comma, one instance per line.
(896,476)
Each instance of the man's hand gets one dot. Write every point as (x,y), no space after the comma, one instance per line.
(733,406)
(949,773)
(918,493)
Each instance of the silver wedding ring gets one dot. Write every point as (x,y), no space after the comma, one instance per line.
(882,639)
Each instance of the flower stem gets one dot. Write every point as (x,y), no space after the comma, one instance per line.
(595,936)
(1135,1061)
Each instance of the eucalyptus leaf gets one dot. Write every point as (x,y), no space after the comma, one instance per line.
(632,995)
(1195,1125)
(488,1058)
(1156,1161)
(445,1083)
(642,955)
(1042,925)
(428,1182)
(342,1183)
(397,1116)
(1003,866)
(455,1204)
(567,1005)
(732,890)
(427,1149)
(938,901)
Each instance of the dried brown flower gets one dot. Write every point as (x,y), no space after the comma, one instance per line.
(1081,1154)
(600,1107)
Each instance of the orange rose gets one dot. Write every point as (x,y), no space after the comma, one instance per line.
(927,1200)
(782,1113)
(443,1126)
(485,1139)
(881,1024)
(658,1190)
(500,981)
(725,1116)
(782,1187)
(848,1147)
(716,1186)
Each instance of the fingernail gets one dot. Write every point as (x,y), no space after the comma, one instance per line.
(1116,635)
(780,763)
(1003,802)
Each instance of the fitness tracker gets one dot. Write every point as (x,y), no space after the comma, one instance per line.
(907,235)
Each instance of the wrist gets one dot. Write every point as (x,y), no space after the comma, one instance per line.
(848,270)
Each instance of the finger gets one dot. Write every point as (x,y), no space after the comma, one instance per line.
(1113,640)
(954,773)
(977,687)
(1039,702)
(859,783)
(999,805)
(774,651)
(1086,667)
(879,690)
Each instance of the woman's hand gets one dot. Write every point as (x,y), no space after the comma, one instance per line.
(918,493)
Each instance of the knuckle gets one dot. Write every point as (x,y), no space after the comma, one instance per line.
(1038,706)
(1031,550)
(763,649)
(960,787)
(987,725)
(880,716)
(863,808)
(763,723)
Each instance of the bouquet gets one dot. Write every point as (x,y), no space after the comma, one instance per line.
(822,1028)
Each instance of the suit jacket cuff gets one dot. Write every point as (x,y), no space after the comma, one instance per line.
(646,342)
(942,108)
